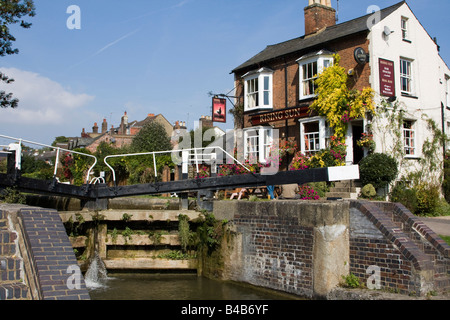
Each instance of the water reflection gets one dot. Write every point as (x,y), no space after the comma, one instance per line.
(176,287)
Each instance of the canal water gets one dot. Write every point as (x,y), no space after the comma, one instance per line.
(150,286)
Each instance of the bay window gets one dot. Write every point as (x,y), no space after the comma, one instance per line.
(310,66)
(258,90)
(257,144)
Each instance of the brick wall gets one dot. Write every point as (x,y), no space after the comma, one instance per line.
(280,251)
(317,17)
(344,47)
(305,247)
(369,247)
(51,254)
(290,246)
(412,258)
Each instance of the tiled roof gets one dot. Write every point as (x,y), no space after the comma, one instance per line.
(308,42)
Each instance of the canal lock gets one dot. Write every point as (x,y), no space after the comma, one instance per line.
(145,235)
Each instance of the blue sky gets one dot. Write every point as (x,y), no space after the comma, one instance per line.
(152,56)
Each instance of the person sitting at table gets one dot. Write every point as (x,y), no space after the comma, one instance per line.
(289,191)
(241,192)
(270,190)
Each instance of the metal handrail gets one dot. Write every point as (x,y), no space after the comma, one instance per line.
(154,153)
(57,153)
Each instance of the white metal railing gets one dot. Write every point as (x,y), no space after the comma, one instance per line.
(18,148)
(186,158)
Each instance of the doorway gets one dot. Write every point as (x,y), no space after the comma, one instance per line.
(357,131)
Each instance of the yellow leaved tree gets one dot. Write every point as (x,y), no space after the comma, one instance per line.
(337,102)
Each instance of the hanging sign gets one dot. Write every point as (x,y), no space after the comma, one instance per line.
(361,56)
(387,78)
(219,110)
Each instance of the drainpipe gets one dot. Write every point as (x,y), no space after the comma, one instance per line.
(443,126)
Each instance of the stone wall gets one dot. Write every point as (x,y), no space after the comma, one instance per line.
(306,247)
(291,246)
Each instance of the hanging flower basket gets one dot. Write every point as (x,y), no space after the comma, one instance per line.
(367,142)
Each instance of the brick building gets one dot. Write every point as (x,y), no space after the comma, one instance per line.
(118,136)
(276,86)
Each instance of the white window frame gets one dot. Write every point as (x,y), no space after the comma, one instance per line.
(408,76)
(447,91)
(405,28)
(410,139)
(322,60)
(264,92)
(322,134)
(257,141)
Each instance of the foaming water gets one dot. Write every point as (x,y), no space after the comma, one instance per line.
(96,276)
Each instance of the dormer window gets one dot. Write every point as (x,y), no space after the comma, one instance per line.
(258,90)
(310,66)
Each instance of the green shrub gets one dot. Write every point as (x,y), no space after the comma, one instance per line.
(446,183)
(404,195)
(423,199)
(351,281)
(368,191)
(12,195)
(428,196)
(378,169)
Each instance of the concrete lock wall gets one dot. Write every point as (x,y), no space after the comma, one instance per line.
(296,247)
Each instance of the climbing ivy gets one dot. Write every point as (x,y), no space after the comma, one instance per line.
(337,102)
(184,232)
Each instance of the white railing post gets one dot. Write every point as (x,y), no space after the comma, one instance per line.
(56,162)
(185,162)
(19,161)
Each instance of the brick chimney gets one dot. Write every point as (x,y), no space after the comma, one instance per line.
(95,128)
(104,126)
(318,15)
(206,122)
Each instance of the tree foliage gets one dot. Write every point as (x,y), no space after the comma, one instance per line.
(12,12)
(339,103)
(152,137)
(378,169)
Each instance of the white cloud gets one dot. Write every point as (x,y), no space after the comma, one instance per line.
(41,100)
(46,109)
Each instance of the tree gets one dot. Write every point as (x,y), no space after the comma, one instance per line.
(60,139)
(339,103)
(152,137)
(11,12)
